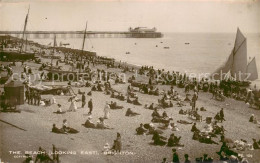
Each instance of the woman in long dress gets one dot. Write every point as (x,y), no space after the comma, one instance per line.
(106,111)
(73,106)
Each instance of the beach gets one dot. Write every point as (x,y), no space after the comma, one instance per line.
(88,144)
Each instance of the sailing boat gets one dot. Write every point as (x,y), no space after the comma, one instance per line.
(18,55)
(66,74)
(236,68)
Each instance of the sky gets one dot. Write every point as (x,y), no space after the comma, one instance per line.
(111,15)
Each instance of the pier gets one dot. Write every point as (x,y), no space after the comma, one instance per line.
(79,34)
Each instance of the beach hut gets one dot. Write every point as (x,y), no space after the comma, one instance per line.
(14,92)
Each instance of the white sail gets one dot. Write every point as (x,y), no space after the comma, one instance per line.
(252,70)
(240,57)
(236,64)
(221,72)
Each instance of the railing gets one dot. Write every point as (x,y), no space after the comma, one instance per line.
(79,34)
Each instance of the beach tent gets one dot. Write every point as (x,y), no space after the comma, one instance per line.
(14,92)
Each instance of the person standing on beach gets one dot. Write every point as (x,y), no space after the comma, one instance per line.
(83,100)
(73,106)
(90,106)
(106,111)
(175,156)
(221,113)
(31,97)
(27,95)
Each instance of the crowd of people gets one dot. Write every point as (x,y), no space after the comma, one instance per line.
(192,87)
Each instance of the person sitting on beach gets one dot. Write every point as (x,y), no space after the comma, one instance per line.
(255,144)
(156,114)
(101,124)
(99,87)
(121,97)
(87,84)
(174,127)
(194,128)
(57,130)
(112,94)
(151,128)
(187,98)
(136,102)
(130,113)
(140,130)
(182,112)
(226,150)
(184,122)
(171,104)
(174,141)
(151,107)
(158,139)
(218,130)
(180,103)
(42,156)
(89,123)
(59,110)
(113,105)
(79,92)
(65,125)
(253,119)
(202,109)
(94,88)
(202,138)
(89,93)
(164,115)
(68,129)
(166,126)
(117,146)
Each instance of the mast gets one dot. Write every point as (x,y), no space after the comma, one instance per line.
(54,44)
(25,44)
(83,45)
(24,29)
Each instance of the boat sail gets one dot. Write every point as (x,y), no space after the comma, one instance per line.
(252,70)
(236,67)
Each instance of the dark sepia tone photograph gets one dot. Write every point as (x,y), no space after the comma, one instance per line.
(129,81)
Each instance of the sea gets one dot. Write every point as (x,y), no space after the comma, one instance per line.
(195,53)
